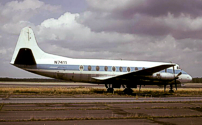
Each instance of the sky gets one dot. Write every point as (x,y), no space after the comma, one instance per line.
(139,30)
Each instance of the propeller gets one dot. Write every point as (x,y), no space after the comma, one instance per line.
(176,77)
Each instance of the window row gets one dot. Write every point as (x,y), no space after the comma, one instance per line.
(106,68)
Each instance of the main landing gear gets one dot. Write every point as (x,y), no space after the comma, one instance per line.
(109,87)
(171,88)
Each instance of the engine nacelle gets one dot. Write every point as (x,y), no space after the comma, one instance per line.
(163,76)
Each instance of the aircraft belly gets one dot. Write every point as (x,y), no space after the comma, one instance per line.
(82,76)
(64,75)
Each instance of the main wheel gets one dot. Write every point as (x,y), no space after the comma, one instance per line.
(110,90)
(171,91)
(128,91)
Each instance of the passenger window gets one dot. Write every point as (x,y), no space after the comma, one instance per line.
(97,68)
(106,68)
(128,69)
(81,68)
(120,69)
(89,68)
(113,68)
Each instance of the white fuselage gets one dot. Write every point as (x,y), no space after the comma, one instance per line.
(71,69)
(30,57)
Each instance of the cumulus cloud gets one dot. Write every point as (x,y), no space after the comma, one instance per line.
(145,17)
(28,5)
(149,30)
(17,14)
(73,35)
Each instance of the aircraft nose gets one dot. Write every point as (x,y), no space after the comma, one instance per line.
(190,78)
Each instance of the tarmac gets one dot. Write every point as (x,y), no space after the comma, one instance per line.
(98,111)
(175,113)
(95,100)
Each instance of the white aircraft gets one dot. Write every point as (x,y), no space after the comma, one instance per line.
(112,73)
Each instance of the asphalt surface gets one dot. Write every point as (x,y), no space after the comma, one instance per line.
(53,108)
(102,113)
(94,100)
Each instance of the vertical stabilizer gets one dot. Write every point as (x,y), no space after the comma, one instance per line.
(26,51)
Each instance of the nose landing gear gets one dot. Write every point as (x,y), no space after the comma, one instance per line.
(171,88)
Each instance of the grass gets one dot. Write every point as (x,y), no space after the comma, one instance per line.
(56,109)
(103,118)
(134,108)
(64,109)
(162,107)
(1,106)
(145,92)
(61,90)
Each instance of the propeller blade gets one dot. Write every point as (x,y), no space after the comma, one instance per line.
(174,70)
(175,85)
(179,74)
(176,77)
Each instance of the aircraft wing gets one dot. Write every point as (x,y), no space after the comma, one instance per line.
(148,71)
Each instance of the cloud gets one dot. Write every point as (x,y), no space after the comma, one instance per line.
(128,8)
(72,34)
(181,26)
(149,30)
(112,5)
(16,15)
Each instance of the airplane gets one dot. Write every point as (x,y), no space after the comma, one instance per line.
(112,73)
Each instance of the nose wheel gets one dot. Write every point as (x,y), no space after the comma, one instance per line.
(171,89)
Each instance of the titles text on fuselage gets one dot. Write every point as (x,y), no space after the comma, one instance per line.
(60,62)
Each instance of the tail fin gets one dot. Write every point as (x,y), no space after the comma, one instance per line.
(26,51)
